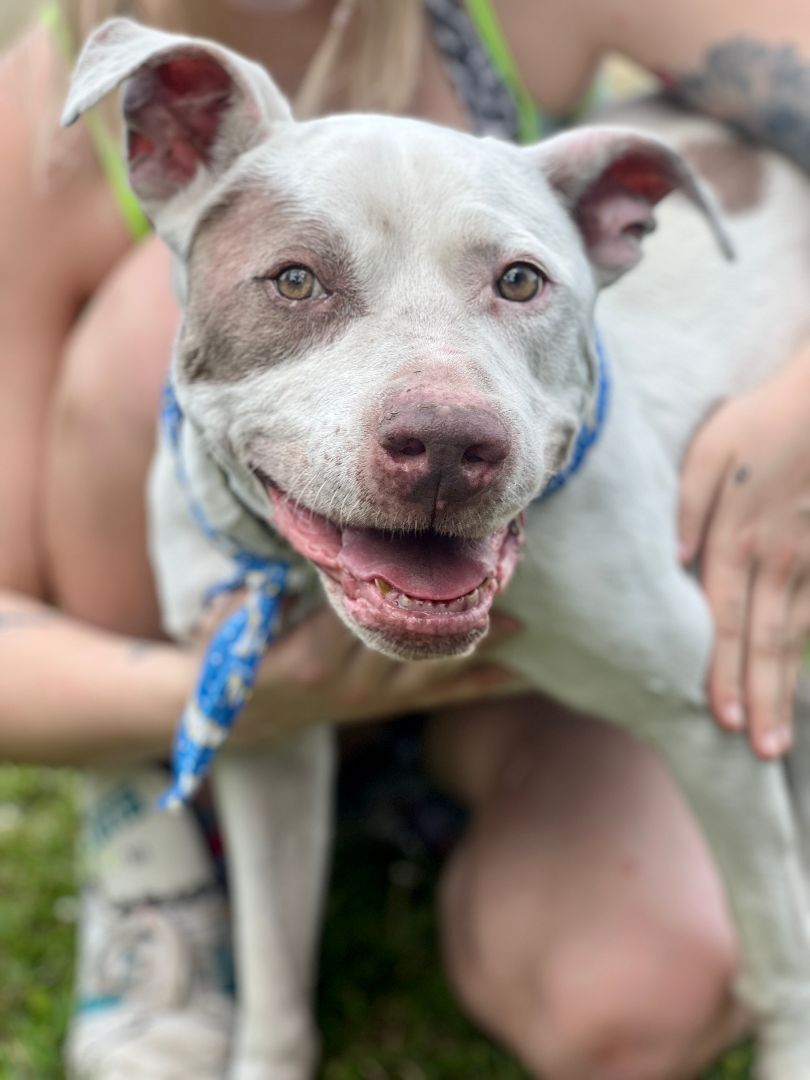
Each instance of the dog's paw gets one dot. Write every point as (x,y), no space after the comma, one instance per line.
(293,1058)
(265,1070)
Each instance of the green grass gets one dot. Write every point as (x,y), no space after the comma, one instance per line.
(385,1010)
(37,824)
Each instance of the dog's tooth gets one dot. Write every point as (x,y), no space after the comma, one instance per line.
(384,586)
(411,603)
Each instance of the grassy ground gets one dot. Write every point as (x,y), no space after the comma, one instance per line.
(385,1010)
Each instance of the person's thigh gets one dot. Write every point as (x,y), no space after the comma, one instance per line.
(102,436)
(583,921)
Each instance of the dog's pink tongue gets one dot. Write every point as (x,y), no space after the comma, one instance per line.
(423,565)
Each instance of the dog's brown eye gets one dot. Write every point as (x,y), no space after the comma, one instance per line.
(519,282)
(298,283)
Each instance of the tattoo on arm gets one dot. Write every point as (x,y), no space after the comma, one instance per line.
(761,90)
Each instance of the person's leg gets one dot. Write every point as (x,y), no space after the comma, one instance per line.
(583,923)
(152,985)
(102,437)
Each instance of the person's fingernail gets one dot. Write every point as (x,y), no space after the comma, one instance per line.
(770,743)
(686,551)
(733,715)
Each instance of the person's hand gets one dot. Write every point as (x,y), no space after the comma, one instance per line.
(320,672)
(745,511)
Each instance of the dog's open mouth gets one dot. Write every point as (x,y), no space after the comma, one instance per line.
(404,586)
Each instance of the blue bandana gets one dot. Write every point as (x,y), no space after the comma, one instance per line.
(231,662)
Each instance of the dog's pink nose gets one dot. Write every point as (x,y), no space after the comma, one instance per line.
(440,452)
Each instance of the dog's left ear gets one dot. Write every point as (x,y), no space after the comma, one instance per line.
(191,108)
(609,180)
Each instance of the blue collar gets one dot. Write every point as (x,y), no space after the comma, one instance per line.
(590,430)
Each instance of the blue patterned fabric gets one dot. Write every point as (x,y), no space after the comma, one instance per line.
(588,433)
(231,662)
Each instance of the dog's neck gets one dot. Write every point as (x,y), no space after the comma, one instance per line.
(590,428)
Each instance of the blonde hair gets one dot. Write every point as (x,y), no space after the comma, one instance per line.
(368,61)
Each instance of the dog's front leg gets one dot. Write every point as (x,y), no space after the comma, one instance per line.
(275,807)
(744,807)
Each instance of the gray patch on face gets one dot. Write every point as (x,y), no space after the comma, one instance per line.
(236,321)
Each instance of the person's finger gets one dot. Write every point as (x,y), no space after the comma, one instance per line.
(367,682)
(769,657)
(798,629)
(726,572)
(311,652)
(402,685)
(703,471)
(475,682)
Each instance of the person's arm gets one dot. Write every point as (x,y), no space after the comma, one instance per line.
(71,694)
(68,694)
(745,486)
(60,234)
(74,695)
(743,62)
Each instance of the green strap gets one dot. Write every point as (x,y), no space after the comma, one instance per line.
(533,124)
(105,146)
(112,165)
(51,18)
(530,121)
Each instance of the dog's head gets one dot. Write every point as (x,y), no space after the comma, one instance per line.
(387,338)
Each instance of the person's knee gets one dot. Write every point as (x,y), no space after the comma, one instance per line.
(495,986)
(640,1008)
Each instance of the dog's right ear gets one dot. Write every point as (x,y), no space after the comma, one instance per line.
(191,109)
(610,180)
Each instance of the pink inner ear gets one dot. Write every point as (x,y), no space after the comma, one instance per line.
(616,211)
(173,113)
(642,175)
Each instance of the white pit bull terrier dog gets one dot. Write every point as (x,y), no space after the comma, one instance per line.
(388,350)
